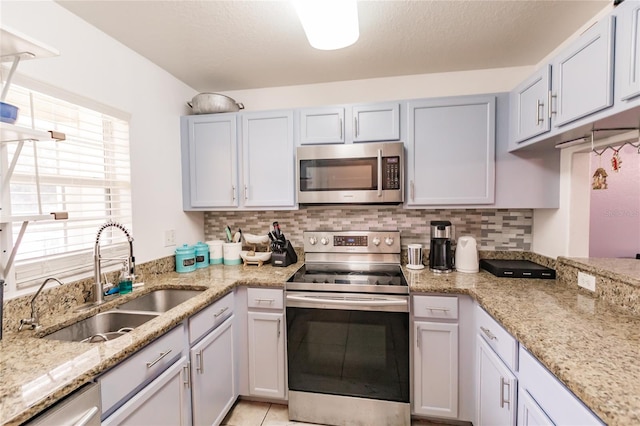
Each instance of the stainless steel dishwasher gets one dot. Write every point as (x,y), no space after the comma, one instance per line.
(81,408)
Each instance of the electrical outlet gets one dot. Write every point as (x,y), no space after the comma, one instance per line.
(586,281)
(170,238)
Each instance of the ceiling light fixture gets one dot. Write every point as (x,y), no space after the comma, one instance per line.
(329,24)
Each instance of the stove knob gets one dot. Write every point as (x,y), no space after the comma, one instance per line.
(324,241)
(313,241)
(376,241)
(388,241)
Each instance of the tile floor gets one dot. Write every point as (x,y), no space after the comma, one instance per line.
(252,413)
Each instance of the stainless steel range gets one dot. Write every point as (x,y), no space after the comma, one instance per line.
(348,331)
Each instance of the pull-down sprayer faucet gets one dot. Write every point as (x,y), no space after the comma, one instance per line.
(98,289)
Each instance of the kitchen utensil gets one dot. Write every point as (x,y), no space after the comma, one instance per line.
(467,255)
(414,252)
(211,103)
(227,230)
(440,254)
(236,237)
(8,113)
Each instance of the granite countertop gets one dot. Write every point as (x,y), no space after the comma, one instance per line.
(592,347)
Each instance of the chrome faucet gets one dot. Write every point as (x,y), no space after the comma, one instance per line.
(33,322)
(99,288)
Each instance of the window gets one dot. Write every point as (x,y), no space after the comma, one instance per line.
(87,176)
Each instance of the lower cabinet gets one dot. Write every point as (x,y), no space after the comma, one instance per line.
(529,412)
(266,354)
(164,401)
(496,389)
(213,389)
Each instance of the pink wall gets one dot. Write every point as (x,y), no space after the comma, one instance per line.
(614,228)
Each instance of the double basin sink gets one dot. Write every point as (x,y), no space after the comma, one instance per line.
(112,324)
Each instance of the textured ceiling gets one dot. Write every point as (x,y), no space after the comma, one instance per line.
(232,45)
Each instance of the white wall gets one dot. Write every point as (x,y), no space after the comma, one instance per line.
(95,66)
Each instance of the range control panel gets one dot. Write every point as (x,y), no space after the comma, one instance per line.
(352,241)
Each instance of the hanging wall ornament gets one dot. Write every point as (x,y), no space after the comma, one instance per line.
(616,161)
(599,179)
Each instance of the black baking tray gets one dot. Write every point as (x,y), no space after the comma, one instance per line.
(517,269)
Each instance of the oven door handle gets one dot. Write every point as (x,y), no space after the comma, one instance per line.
(379,173)
(353,301)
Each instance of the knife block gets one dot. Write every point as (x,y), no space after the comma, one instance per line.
(285,257)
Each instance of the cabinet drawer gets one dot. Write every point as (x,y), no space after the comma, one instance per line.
(210,317)
(498,338)
(558,402)
(443,307)
(266,298)
(140,368)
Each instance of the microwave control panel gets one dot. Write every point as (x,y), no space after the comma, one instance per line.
(391,173)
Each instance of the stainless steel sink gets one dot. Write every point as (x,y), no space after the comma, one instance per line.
(159,300)
(102,326)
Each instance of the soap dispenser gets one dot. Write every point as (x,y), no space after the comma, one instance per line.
(125,283)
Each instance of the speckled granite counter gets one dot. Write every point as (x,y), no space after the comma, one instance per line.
(589,345)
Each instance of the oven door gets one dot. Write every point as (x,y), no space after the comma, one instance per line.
(349,344)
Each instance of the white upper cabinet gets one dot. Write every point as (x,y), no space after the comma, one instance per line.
(583,74)
(377,122)
(628,50)
(321,125)
(451,151)
(268,159)
(209,161)
(530,107)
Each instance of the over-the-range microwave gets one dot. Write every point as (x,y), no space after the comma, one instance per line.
(363,173)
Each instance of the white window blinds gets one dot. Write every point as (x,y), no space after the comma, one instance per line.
(87,175)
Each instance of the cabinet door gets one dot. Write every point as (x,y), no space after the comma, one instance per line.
(210,161)
(435,369)
(529,106)
(164,401)
(529,412)
(380,122)
(213,375)
(269,157)
(583,74)
(628,50)
(266,354)
(495,389)
(321,125)
(451,151)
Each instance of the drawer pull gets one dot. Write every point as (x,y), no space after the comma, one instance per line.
(221,311)
(504,401)
(157,360)
(489,334)
(199,363)
(278,328)
(269,301)
(434,308)
(186,374)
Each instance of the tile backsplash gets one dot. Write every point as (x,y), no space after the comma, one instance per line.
(494,229)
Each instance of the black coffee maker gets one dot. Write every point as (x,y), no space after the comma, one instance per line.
(440,253)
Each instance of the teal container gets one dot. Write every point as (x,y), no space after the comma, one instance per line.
(185,259)
(202,254)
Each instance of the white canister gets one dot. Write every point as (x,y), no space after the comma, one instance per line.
(467,255)
(215,252)
(414,255)
(231,253)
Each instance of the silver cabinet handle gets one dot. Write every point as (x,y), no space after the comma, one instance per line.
(412,190)
(550,102)
(489,334)
(157,360)
(86,418)
(418,338)
(233,192)
(278,328)
(539,105)
(199,362)
(269,301)
(187,375)
(340,123)
(433,308)
(221,311)
(246,197)
(379,173)
(504,401)
(355,119)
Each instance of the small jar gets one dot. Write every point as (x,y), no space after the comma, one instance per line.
(202,254)
(185,259)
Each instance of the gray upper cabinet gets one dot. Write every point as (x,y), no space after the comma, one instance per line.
(321,125)
(583,74)
(377,122)
(268,159)
(209,161)
(451,151)
(530,107)
(628,50)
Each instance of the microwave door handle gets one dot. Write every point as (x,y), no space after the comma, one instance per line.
(379,173)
